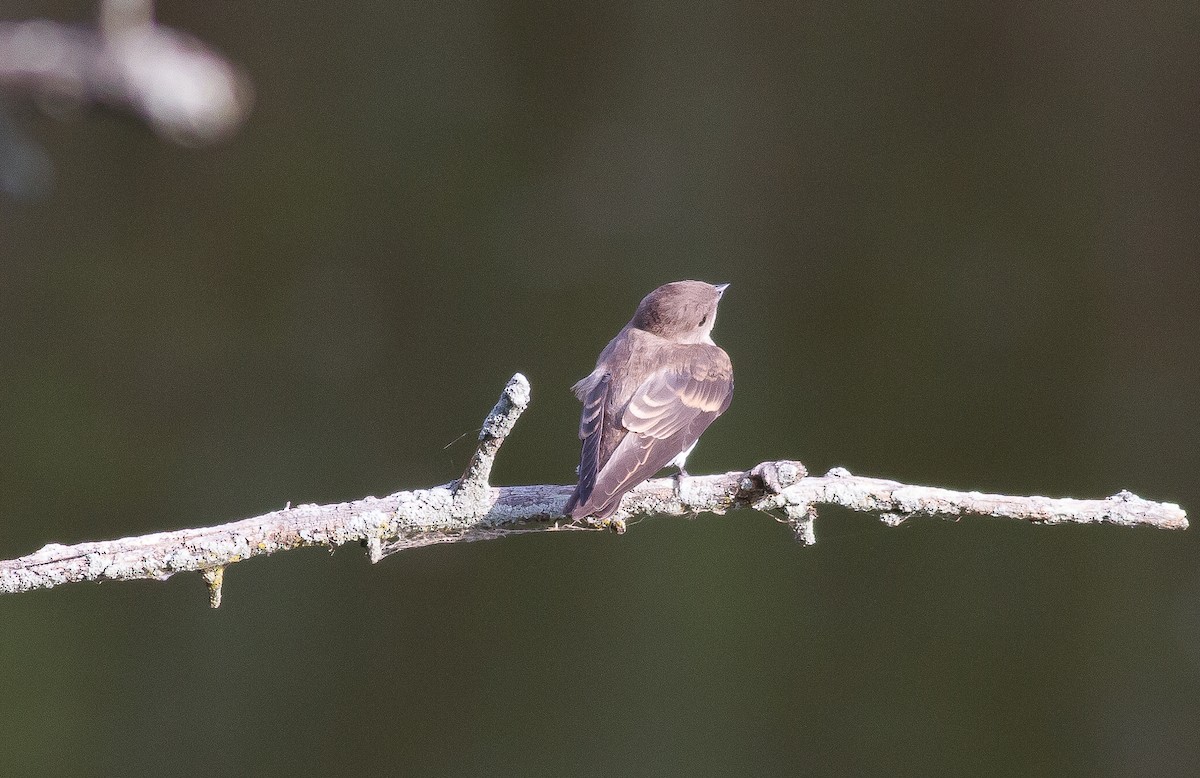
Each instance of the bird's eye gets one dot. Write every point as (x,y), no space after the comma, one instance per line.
(702,321)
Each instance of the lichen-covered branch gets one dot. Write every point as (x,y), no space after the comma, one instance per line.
(471,509)
(496,427)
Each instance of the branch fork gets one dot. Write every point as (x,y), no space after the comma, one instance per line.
(472,490)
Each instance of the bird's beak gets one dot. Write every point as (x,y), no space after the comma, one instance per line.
(720,289)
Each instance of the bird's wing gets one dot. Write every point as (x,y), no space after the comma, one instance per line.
(666,414)
(669,400)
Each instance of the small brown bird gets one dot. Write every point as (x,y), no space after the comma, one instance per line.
(657,385)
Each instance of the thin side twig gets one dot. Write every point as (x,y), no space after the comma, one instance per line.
(470,509)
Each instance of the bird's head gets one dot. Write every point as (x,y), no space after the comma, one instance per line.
(681,311)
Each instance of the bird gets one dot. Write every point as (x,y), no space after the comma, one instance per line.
(656,387)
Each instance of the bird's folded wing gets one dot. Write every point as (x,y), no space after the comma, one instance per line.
(671,400)
(666,415)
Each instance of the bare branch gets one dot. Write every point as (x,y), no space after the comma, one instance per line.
(470,509)
(184,89)
(496,426)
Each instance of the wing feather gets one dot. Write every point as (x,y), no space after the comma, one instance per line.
(668,401)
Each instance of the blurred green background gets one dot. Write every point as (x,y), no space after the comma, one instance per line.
(962,240)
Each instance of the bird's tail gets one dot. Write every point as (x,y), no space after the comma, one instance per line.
(578,509)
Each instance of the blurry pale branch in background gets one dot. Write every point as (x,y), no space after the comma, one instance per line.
(182,88)
(470,509)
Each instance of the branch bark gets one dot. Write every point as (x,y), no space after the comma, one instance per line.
(470,509)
